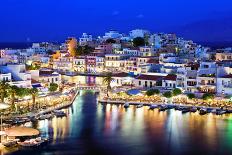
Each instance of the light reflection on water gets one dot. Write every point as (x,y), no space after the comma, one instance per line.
(93,128)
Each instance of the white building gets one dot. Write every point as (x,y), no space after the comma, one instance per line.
(85,39)
(113,35)
(138,33)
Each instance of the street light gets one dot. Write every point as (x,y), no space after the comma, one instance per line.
(3,106)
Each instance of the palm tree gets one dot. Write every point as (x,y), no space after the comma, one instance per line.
(33,92)
(3,90)
(13,92)
(107,80)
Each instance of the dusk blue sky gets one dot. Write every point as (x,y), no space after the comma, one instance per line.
(55,20)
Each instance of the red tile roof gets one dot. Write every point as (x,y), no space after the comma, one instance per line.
(149,77)
(153,61)
(227,76)
(120,74)
(170,77)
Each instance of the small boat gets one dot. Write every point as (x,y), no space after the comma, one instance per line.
(10,143)
(139,106)
(48,116)
(170,106)
(214,111)
(32,143)
(152,107)
(163,108)
(186,110)
(220,112)
(193,109)
(126,105)
(203,111)
(180,108)
(59,113)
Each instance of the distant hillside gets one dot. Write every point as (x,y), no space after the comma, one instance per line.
(211,31)
(15,45)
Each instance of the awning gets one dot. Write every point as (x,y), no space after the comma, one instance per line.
(4,106)
(21,132)
(36,86)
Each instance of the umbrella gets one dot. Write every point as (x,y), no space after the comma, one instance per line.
(4,106)
(21,131)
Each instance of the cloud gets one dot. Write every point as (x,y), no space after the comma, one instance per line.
(140,16)
(115,13)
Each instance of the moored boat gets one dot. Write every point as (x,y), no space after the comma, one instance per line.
(163,108)
(126,105)
(59,113)
(203,111)
(152,107)
(193,109)
(139,106)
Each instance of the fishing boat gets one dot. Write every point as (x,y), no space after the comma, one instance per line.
(10,143)
(152,107)
(126,105)
(139,106)
(163,108)
(59,113)
(186,110)
(48,116)
(203,111)
(220,112)
(193,109)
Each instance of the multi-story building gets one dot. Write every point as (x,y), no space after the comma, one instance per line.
(85,39)
(206,77)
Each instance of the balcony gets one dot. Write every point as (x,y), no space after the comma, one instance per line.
(207,84)
(207,75)
(227,86)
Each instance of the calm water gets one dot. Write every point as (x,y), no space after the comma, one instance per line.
(93,128)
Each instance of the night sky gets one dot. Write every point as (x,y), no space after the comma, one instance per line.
(54,20)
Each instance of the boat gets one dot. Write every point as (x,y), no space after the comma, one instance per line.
(186,110)
(59,113)
(152,107)
(163,108)
(139,106)
(48,116)
(32,143)
(203,111)
(193,109)
(214,111)
(220,112)
(10,143)
(180,108)
(126,105)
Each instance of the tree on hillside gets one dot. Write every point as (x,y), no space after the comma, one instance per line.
(176,92)
(208,96)
(83,50)
(110,41)
(167,94)
(3,90)
(151,92)
(191,96)
(34,93)
(138,42)
(107,80)
(53,87)
(13,92)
